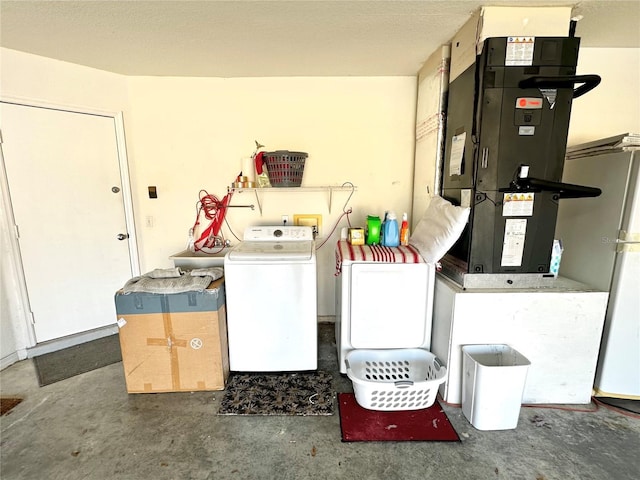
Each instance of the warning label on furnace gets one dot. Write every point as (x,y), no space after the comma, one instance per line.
(519,51)
(517,204)
(515,230)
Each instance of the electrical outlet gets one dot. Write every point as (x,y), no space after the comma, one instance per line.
(309,220)
(285,219)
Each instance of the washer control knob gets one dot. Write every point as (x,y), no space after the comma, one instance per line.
(277,233)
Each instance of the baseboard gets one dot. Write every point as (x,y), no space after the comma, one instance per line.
(622,396)
(71,340)
(326,319)
(12,358)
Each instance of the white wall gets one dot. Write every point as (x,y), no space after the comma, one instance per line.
(613,107)
(40,78)
(191,134)
(12,320)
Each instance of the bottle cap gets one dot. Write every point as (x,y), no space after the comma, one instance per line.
(392,215)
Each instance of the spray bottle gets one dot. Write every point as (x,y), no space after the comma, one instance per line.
(404,230)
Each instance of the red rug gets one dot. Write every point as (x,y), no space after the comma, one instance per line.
(361,425)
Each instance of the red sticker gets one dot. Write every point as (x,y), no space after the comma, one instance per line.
(528,102)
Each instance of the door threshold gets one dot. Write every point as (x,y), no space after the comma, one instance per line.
(71,340)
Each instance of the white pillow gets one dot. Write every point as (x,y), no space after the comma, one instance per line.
(440,227)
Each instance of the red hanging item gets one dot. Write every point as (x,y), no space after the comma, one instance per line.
(214,210)
(259,162)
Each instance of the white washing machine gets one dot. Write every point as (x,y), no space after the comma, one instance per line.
(381,305)
(271,293)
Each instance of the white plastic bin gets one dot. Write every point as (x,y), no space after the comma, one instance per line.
(493,378)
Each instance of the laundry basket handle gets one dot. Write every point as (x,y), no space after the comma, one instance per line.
(403,383)
(437,362)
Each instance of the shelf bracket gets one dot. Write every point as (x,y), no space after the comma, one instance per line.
(255,191)
(330,198)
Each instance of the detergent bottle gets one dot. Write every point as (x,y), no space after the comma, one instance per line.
(386,214)
(404,230)
(373,230)
(391,235)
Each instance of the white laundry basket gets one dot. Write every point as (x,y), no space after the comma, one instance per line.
(395,379)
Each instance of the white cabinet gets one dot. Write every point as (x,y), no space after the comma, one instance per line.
(383,305)
(558,329)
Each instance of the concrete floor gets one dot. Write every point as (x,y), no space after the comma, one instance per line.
(88,427)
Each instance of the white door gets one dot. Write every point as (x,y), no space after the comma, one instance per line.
(65,186)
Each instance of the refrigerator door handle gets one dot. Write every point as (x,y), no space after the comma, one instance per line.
(628,242)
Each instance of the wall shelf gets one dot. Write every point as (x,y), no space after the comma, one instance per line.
(329,189)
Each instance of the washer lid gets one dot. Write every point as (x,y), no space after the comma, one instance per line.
(270,251)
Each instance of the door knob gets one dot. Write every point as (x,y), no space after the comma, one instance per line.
(122,236)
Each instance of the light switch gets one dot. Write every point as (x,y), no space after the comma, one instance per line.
(153,192)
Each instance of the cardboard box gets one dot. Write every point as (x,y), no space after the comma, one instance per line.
(174,342)
(504,22)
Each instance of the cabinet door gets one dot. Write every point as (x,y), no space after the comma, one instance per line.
(388,305)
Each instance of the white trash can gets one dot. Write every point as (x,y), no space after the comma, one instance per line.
(493,378)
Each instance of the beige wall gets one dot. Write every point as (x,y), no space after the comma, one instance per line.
(185,134)
(613,107)
(191,134)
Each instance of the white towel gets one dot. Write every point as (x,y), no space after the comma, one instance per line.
(164,273)
(214,272)
(185,283)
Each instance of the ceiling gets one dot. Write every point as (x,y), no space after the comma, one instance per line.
(245,38)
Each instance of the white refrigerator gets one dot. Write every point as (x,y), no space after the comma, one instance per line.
(601,240)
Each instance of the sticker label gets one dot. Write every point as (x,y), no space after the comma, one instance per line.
(513,244)
(457,153)
(526,130)
(517,204)
(121,322)
(519,51)
(529,103)
(550,94)
(196,343)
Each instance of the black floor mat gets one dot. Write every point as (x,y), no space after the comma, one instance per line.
(69,362)
(304,393)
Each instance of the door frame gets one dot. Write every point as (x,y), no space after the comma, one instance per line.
(127,199)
